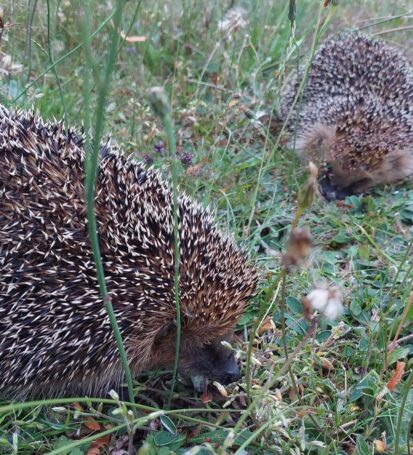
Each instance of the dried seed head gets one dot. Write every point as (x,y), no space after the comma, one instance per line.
(233,21)
(310,189)
(299,248)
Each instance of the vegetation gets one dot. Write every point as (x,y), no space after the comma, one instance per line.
(317,387)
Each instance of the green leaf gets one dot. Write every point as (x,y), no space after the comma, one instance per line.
(168,424)
(364,345)
(294,305)
(163,438)
(355,308)
(397,354)
(356,202)
(361,447)
(366,386)
(323,336)
(407,215)
(340,239)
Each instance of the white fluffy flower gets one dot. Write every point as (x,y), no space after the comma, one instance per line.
(233,20)
(327,302)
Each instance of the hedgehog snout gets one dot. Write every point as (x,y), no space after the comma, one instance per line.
(214,362)
(231,371)
(329,190)
(225,368)
(340,184)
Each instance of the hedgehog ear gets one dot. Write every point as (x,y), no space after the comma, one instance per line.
(315,145)
(166,331)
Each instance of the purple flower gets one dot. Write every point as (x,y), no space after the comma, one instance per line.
(159,148)
(186,158)
(148,159)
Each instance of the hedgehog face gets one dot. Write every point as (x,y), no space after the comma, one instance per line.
(335,184)
(353,158)
(214,362)
(211,361)
(321,145)
(363,157)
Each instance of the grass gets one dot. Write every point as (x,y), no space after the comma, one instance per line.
(332,399)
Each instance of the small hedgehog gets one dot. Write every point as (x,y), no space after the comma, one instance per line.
(355,118)
(56,336)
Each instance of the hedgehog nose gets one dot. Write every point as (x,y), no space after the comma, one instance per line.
(326,188)
(231,374)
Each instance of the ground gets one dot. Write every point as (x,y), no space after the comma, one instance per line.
(222,64)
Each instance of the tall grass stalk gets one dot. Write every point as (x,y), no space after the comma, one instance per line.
(91,167)
(50,52)
(160,105)
(137,423)
(16,407)
(254,435)
(29,31)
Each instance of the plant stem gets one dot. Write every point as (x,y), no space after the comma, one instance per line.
(50,52)
(160,105)
(175,207)
(91,167)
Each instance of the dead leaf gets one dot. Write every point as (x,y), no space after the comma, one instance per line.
(349,448)
(233,103)
(195,170)
(305,412)
(97,444)
(397,376)
(242,399)
(132,39)
(206,397)
(380,446)
(91,424)
(267,325)
(327,365)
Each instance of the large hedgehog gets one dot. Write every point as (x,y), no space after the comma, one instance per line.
(355,116)
(55,335)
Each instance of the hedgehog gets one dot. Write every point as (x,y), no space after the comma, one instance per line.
(355,117)
(56,336)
